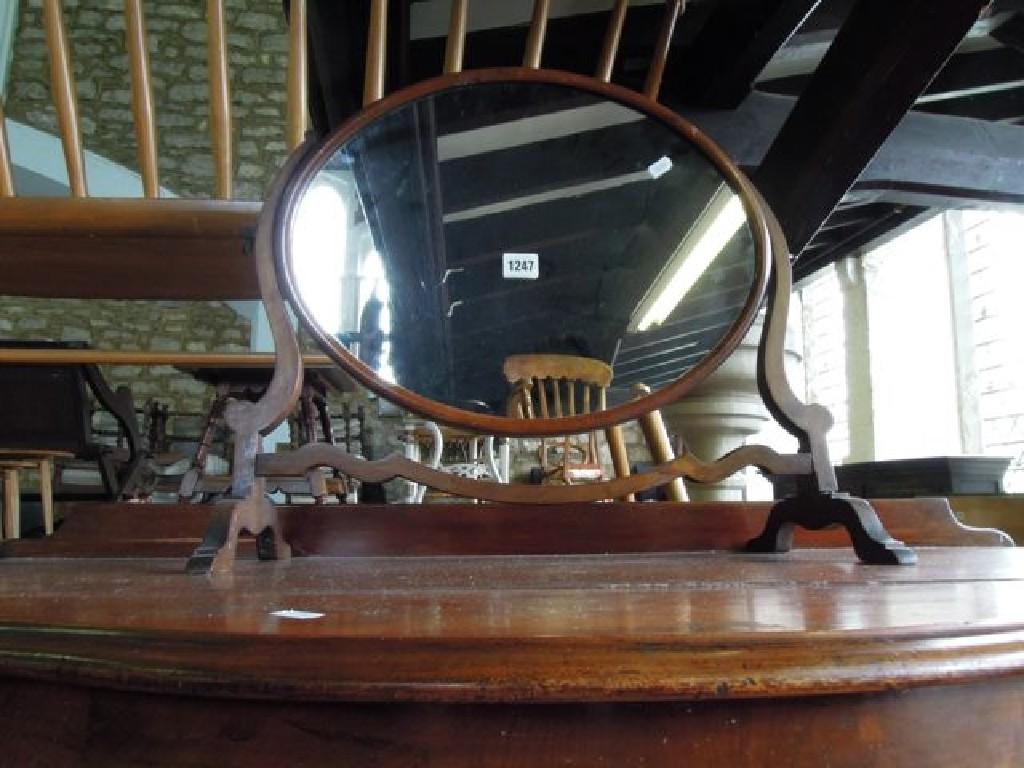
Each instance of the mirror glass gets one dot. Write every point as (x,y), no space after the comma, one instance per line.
(517,217)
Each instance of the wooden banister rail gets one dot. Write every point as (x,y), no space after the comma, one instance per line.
(298,96)
(142,97)
(220,97)
(63,85)
(6,177)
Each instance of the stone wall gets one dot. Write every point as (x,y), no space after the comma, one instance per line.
(257,43)
(160,326)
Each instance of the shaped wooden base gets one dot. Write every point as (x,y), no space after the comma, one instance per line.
(870,540)
(256,515)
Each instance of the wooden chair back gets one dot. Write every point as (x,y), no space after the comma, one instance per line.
(553,386)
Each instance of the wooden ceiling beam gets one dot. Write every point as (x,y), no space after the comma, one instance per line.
(880,62)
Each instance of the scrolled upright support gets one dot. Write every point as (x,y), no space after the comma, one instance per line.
(818,504)
(252,511)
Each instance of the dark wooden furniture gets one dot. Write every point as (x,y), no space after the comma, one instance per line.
(47,408)
(249,382)
(903,478)
(574,634)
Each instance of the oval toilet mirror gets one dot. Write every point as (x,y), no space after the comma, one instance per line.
(494,214)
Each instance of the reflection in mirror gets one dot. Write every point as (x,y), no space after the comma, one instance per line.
(505,218)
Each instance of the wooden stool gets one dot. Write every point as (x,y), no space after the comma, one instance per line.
(11,461)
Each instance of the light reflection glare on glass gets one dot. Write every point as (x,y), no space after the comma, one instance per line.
(707,238)
(319,240)
(373,285)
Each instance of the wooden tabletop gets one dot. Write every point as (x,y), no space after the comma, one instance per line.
(519,628)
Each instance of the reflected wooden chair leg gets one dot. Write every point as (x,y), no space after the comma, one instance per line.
(620,458)
(12,505)
(656,435)
(46,493)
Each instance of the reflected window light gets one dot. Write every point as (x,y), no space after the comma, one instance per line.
(319,240)
(373,284)
(708,236)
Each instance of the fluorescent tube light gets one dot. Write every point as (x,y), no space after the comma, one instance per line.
(710,233)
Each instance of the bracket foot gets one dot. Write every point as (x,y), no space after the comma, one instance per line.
(256,515)
(871,541)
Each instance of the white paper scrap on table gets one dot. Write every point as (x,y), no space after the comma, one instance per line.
(291,613)
(520,266)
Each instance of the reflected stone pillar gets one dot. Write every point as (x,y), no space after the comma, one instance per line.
(721,413)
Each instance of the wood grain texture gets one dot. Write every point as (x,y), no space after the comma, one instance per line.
(62,84)
(142,97)
(599,628)
(220,97)
(944,727)
(456,530)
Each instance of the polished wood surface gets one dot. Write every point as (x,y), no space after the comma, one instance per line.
(220,97)
(479,639)
(456,530)
(142,97)
(62,84)
(515,628)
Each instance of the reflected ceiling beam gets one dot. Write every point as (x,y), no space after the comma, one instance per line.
(533,129)
(539,198)
(735,44)
(882,59)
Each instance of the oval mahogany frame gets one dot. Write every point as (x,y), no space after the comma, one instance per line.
(505,425)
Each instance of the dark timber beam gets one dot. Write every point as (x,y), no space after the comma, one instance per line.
(927,160)
(738,38)
(882,59)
